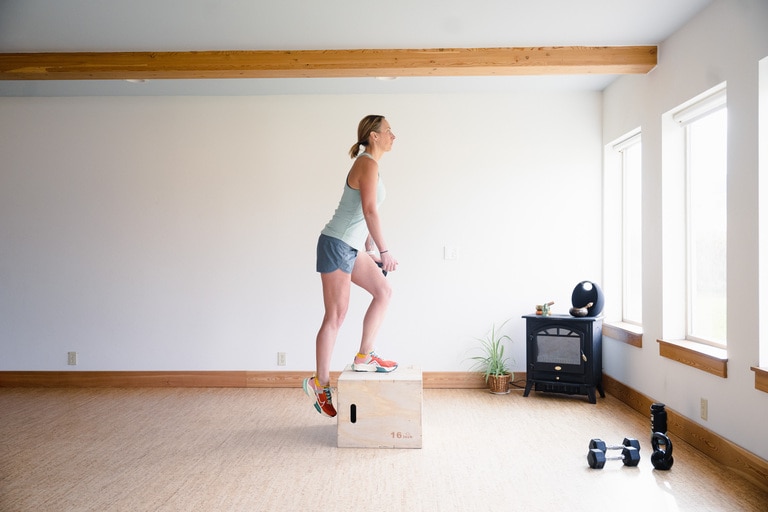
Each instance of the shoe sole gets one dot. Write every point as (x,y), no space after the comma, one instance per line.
(372,368)
(311,394)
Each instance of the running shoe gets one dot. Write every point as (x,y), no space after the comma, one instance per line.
(321,395)
(372,363)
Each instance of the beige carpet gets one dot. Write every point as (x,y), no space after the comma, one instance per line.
(267,449)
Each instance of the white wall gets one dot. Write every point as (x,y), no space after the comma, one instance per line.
(178,233)
(724,43)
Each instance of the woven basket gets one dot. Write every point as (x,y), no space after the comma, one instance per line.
(499,385)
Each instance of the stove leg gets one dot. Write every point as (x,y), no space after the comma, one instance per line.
(528,386)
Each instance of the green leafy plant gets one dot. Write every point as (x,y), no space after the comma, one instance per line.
(492,360)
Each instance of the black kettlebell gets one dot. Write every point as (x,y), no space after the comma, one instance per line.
(662,451)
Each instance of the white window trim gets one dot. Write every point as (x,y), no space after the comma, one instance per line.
(703,105)
(613,191)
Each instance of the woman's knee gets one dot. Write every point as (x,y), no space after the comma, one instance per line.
(383,292)
(334,319)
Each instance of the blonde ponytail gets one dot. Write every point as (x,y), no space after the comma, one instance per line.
(354,150)
(368,124)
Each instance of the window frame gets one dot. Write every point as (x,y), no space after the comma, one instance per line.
(613,246)
(633,140)
(709,103)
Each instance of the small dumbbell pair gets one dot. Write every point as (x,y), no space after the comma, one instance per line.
(630,453)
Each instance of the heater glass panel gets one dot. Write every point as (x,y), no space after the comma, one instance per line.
(558,348)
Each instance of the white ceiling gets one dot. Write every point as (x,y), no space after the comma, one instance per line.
(181,25)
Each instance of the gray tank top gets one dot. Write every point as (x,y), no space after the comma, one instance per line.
(348,223)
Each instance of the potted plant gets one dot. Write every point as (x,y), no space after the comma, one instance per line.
(492,363)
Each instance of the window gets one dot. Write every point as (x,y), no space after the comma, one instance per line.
(705,134)
(623,229)
(763,208)
(632,232)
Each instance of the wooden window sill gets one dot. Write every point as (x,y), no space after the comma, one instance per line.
(625,333)
(761,378)
(702,357)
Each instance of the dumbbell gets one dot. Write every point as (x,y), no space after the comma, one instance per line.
(599,444)
(630,456)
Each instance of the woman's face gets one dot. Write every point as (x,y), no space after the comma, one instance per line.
(384,137)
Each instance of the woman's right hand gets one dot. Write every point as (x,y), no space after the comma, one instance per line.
(388,262)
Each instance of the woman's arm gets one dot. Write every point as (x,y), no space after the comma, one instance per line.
(368,181)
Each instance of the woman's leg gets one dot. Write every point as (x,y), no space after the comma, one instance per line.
(336,290)
(367,275)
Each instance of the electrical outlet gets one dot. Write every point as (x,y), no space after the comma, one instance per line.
(281,359)
(72,358)
(704,409)
(450,252)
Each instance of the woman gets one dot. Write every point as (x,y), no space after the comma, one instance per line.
(345,255)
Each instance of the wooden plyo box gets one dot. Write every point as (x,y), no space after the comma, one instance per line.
(379,410)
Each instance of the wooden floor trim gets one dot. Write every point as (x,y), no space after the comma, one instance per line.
(719,449)
(207,379)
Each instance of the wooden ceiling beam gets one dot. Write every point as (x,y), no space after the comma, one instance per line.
(329,63)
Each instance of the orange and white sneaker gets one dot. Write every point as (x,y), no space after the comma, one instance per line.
(372,363)
(320,395)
